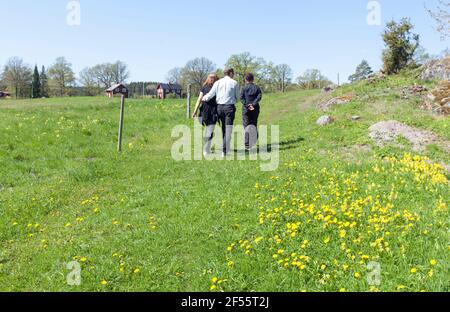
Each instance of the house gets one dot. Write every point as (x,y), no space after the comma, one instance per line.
(163,89)
(117,89)
(4,94)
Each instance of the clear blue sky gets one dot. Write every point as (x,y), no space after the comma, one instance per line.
(154,36)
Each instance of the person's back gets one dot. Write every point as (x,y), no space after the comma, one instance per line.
(226,91)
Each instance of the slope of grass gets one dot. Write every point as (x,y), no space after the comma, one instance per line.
(140,221)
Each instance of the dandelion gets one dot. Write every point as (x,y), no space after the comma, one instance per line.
(104,282)
(433,262)
(136,271)
(413,270)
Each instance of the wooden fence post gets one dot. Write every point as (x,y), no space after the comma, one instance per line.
(188,104)
(122,111)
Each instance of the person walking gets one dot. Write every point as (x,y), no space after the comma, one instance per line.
(207,112)
(251,97)
(226,91)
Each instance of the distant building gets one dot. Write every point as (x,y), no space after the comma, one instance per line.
(117,89)
(164,89)
(4,94)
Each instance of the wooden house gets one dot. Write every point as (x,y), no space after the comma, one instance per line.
(163,89)
(117,89)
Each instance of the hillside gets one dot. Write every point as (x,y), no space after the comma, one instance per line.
(140,221)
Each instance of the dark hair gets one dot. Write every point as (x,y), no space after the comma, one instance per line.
(229,71)
(249,77)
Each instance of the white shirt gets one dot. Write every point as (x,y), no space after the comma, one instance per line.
(226,91)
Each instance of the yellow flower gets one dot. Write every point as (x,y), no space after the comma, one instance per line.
(342,290)
(84,259)
(400,287)
(323,267)
(104,283)
(357,274)
(214,280)
(136,271)
(213,287)
(413,270)
(433,262)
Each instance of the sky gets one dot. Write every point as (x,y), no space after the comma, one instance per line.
(154,36)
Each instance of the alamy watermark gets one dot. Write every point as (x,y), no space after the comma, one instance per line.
(73,278)
(73,18)
(191,145)
(374,274)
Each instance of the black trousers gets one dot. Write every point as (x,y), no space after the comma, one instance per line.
(250,121)
(227,114)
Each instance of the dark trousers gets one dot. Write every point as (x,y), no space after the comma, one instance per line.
(227,114)
(250,121)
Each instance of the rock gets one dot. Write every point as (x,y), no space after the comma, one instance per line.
(388,131)
(438,100)
(437,69)
(330,88)
(414,90)
(341,100)
(356,118)
(374,78)
(325,120)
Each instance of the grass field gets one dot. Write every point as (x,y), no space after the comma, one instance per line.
(140,221)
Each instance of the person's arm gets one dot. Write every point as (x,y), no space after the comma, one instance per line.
(237,94)
(258,97)
(208,97)
(243,99)
(197,106)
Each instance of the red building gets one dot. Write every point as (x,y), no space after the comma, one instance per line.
(117,89)
(4,94)
(164,89)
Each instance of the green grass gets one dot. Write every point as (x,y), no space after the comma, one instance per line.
(142,222)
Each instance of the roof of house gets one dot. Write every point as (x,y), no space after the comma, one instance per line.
(111,89)
(170,87)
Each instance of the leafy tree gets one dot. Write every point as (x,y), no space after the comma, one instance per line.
(61,75)
(120,72)
(17,77)
(312,79)
(196,71)
(363,71)
(442,17)
(36,84)
(89,82)
(175,75)
(401,44)
(282,76)
(245,63)
(44,82)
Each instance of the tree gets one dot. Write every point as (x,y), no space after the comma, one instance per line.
(89,82)
(442,17)
(36,84)
(363,71)
(119,72)
(283,76)
(175,75)
(197,70)
(421,56)
(401,44)
(245,63)
(17,77)
(61,75)
(44,83)
(312,79)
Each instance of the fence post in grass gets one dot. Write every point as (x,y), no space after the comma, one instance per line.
(188,104)
(122,111)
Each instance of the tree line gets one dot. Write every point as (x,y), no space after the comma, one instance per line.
(269,76)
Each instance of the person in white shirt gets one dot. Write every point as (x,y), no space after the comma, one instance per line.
(227,94)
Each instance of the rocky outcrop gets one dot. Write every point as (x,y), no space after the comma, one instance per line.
(341,100)
(325,120)
(437,69)
(438,100)
(388,131)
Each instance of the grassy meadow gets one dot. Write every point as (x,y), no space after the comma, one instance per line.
(336,210)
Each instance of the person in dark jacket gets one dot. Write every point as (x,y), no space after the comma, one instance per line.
(207,111)
(251,97)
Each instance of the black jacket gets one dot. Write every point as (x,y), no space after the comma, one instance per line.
(251,94)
